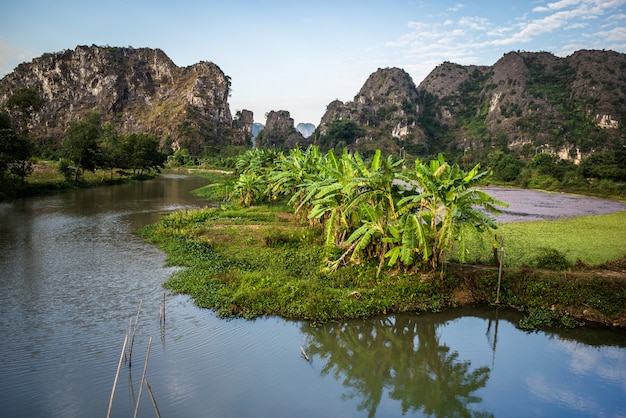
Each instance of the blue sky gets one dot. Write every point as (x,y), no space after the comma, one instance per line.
(300,56)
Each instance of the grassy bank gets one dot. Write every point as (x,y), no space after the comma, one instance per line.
(589,240)
(46,179)
(258,261)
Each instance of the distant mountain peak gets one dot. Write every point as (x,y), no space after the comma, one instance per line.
(306,129)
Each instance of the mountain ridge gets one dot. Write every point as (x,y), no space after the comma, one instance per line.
(526,102)
(570,106)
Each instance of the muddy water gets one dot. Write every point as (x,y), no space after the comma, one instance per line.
(533,205)
(71,276)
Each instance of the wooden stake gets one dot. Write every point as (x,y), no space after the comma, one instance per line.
(143,377)
(119,365)
(500,271)
(161,313)
(156,408)
(132,341)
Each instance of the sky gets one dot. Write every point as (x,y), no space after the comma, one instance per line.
(300,56)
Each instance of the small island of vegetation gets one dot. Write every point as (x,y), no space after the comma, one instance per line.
(324,237)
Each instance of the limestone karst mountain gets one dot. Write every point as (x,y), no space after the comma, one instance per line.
(136,90)
(523,103)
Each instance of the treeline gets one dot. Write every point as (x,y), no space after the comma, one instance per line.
(603,172)
(411,218)
(88,144)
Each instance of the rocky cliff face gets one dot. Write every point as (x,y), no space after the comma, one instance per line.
(387,104)
(525,102)
(243,124)
(136,90)
(279,132)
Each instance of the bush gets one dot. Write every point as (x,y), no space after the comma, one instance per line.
(66,170)
(550,258)
(544,182)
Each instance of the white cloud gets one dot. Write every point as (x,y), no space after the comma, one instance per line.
(475,23)
(556,6)
(456,7)
(616,17)
(615,35)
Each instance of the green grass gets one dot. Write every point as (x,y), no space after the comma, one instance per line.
(591,239)
(255,261)
(46,179)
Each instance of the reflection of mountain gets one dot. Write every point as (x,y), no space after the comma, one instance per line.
(400,356)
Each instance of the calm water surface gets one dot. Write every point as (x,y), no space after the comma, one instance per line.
(72,274)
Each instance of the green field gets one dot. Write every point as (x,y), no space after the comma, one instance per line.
(590,239)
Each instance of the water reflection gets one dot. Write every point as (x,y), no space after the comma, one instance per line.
(400,357)
(72,273)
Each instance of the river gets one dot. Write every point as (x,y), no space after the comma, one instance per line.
(73,273)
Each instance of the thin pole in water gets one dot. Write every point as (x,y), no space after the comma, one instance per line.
(162,311)
(119,365)
(156,408)
(132,341)
(143,377)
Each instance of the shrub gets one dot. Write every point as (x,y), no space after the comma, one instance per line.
(553,259)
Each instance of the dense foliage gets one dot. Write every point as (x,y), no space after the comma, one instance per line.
(374,209)
(87,145)
(257,261)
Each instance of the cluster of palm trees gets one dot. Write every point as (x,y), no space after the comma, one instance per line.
(413,218)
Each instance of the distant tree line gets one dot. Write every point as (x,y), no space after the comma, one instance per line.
(604,171)
(88,144)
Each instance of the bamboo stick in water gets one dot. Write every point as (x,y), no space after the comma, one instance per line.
(143,377)
(119,365)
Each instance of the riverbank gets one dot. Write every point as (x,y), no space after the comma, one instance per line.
(47,180)
(259,261)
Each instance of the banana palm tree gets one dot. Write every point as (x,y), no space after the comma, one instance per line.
(442,208)
(293,172)
(250,188)
(374,196)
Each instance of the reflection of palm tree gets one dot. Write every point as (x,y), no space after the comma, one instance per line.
(401,354)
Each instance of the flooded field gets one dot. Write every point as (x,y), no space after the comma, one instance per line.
(533,205)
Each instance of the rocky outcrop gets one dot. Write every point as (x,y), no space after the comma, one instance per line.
(279,132)
(136,90)
(568,106)
(243,128)
(388,101)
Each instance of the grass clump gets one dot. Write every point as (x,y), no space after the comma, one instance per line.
(550,258)
(256,265)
